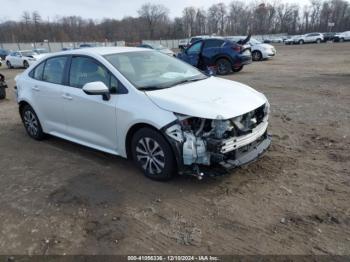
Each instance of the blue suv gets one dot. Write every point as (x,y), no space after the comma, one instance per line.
(224,56)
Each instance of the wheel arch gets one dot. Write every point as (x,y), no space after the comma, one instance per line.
(130,133)
(21,105)
(223,56)
(175,146)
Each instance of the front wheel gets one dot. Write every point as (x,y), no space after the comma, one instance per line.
(257,56)
(153,154)
(31,123)
(318,41)
(25,64)
(301,42)
(341,40)
(223,66)
(238,69)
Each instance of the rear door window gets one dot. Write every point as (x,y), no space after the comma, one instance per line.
(54,69)
(213,43)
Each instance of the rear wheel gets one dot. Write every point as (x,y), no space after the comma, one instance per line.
(301,42)
(25,64)
(31,123)
(9,66)
(223,66)
(318,41)
(153,154)
(238,69)
(341,40)
(257,56)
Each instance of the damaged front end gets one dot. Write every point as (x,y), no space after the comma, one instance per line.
(213,147)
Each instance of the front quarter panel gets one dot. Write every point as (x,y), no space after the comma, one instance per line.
(136,108)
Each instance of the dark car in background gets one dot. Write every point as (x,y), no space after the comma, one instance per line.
(329,36)
(3,53)
(224,55)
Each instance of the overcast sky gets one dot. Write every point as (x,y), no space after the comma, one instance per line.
(98,9)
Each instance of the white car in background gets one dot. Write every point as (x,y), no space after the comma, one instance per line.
(164,114)
(309,38)
(158,47)
(341,37)
(260,51)
(23,58)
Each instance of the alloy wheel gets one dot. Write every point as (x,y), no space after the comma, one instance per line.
(256,56)
(150,154)
(31,123)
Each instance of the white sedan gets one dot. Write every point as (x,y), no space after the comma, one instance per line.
(21,59)
(260,51)
(147,106)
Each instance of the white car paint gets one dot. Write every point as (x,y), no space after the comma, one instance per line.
(309,38)
(72,114)
(18,58)
(267,51)
(345,36)
(200,99)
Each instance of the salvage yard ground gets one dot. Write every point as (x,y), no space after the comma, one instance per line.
(58,197)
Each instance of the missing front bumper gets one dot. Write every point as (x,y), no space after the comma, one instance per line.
(242,156)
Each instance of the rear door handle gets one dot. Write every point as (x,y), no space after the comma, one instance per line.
(36,88)
(67,97)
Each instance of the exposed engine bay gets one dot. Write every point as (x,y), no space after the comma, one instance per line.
(207,141)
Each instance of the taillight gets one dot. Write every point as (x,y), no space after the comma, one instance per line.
(237,48)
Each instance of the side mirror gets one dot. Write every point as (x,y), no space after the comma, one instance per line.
(97,88)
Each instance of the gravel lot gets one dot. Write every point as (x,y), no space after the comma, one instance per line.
(61,198)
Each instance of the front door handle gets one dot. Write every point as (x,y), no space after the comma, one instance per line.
(67,97)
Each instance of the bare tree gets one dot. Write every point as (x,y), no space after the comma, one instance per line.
(153,15)
(189,18)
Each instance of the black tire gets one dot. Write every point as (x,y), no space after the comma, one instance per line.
(238,69)
(25,64)
(223,66)
(153,154)
(341,40)
(2,93)
(301,42)
(31,123)
(9,66)
(257,56)
(318,41)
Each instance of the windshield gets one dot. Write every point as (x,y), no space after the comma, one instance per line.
(149,70)
(27,53)
(254,41)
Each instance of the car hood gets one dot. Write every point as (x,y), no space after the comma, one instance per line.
(166,51)
(211,98)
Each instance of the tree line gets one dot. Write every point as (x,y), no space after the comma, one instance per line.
(153,22)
